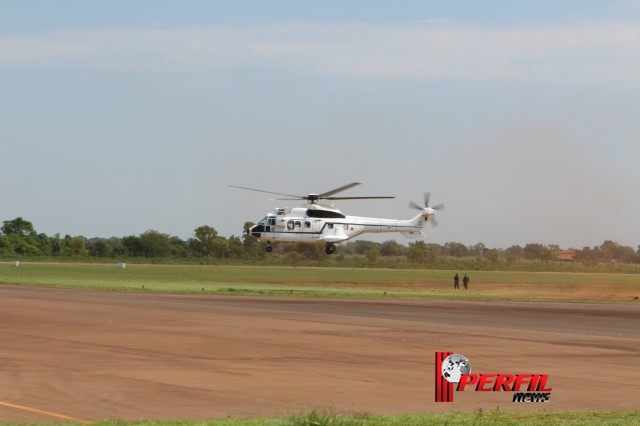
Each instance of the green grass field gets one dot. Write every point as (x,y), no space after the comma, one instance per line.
(492,417)
(329,282)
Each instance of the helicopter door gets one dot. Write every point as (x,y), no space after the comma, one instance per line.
(312,228)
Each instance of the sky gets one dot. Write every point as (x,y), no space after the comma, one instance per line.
(117,117)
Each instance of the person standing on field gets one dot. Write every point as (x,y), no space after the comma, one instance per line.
(465,281)
(456,281)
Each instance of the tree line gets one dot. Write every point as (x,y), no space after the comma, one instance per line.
(18,237)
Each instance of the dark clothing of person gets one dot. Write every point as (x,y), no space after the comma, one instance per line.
(456,281)
(465,281)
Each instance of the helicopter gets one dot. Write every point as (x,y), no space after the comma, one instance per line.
(324,224)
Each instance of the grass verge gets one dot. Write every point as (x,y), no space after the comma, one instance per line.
(328,282)
(488,417)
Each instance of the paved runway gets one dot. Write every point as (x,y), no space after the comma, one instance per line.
(93,355)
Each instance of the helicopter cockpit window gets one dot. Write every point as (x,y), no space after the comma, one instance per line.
(272,221)
(262,226)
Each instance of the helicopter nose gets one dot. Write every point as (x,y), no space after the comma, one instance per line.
(254,231)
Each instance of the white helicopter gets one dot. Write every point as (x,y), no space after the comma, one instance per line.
(318,223)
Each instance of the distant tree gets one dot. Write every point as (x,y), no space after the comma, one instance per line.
(56,245)
(362,246)
(419,252)
(205,241)
(179,247)
(19,246)
(513,254)
(439,249)
(155,244)
(236,248)
(98,247)
(77,245)
(553,247)
(21,238)
(477,249)
(516,251)
(116,247)
(548,254)
(133,246)
(220,248)
(608,251)
(455,249)
(533,251)
(586,256)
(611,250)
(20,227)
(43,243)
(432,254)
(5,248)
(307,251)
(391,248)
(372,255)
(491,255)
(66,245)
(628,255)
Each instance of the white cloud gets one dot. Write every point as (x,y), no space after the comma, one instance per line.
(592,52)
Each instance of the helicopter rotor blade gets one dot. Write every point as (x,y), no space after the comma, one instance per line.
(413,205)
(295,197)
(357,198)
(313,198)
(438,207)
(335,191)
(433,221)
(427,197)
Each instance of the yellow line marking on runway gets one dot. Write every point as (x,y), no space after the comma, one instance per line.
(46,413)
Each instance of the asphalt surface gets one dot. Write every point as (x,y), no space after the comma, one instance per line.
(92,355)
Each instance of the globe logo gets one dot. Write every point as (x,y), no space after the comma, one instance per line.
(454,366)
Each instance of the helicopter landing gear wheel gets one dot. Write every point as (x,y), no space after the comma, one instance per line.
(269,248)
(330,248)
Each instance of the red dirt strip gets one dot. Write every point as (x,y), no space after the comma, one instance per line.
(95,355)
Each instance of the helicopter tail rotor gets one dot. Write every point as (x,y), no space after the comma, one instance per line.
(428,211)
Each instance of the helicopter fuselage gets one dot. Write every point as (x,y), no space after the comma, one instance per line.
(317,223)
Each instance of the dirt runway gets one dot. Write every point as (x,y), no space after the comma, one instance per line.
(94,355)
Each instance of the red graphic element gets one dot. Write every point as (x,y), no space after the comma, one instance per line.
(444,389)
